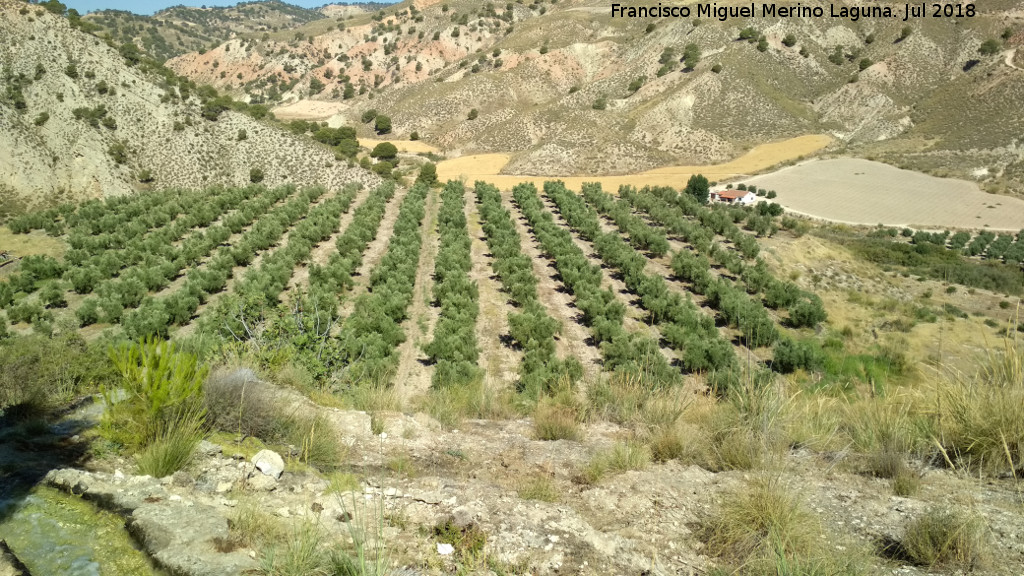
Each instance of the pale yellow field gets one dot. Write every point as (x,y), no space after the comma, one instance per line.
(856,191)
(487,167)
(308,110)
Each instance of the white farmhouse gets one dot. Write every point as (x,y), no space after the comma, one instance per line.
(742,197)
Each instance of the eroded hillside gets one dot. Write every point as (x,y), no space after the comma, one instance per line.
(80,118)
(570,90)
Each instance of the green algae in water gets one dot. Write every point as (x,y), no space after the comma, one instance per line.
(55,533)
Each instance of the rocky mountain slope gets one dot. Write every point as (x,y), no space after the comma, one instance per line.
(569,90)
(80,118)
(180,29)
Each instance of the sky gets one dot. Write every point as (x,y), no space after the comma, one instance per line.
(151,6)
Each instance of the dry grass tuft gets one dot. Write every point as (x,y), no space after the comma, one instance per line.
(764,528)
(250,526)
(622,457)
(763,517)
(451,405)
(979,423)
(237,402)
(946,538)
(745,431)
(553,421)
(539,487)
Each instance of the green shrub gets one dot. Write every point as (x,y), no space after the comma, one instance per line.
(118,152)
(791,355)
(162,387)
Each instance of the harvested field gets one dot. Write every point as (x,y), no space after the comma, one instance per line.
(489,166)
(308,110)
(856,191)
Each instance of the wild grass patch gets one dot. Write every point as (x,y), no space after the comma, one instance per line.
(765,528)
(621,457)
(450,405)
(979,425)
(554,421)
(539,487)
(946,538)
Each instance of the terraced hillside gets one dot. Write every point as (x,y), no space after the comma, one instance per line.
(661,327)
(240,264)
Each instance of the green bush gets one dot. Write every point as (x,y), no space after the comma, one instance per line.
(118,152)
(162,388)
(30,374)
(384,151)
(791,355)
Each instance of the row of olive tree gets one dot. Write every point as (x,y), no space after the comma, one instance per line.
(530,326)
(454,347)
(371,334)
(693,334)
(603,313)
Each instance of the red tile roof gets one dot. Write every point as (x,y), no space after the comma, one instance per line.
(733,194)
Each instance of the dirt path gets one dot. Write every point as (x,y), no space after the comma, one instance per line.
(1010,55)
(556,300)
(374,252)
(635,315)
(413,375)
(499,360)
(322,251)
